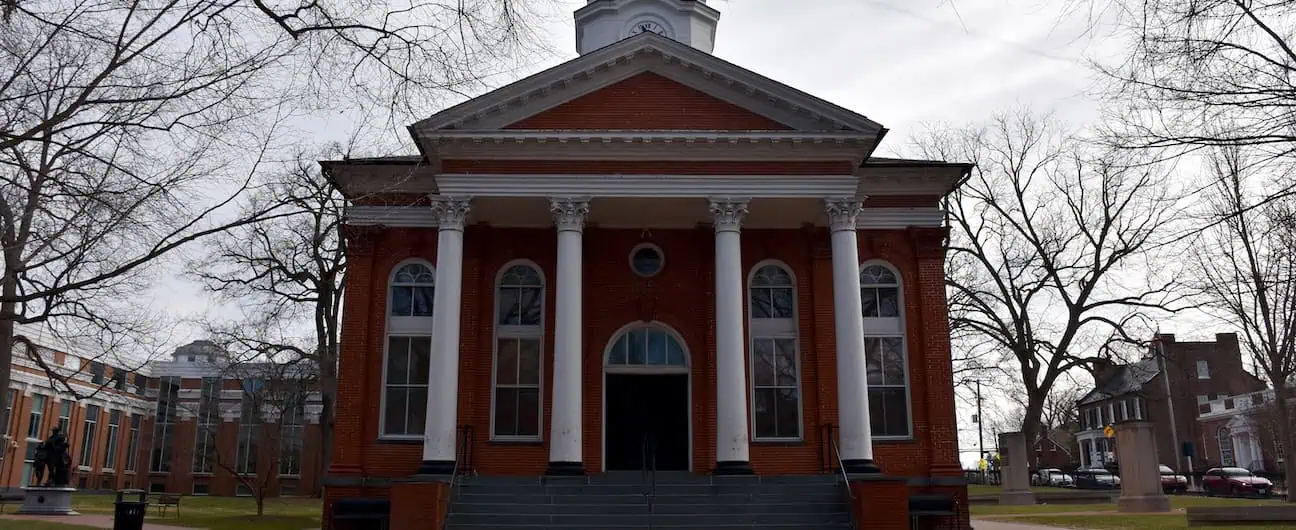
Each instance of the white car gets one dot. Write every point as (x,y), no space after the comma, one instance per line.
(1052,477)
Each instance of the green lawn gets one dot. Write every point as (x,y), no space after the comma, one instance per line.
(38,525)
(1176,501)
(212,513)
(1121,522)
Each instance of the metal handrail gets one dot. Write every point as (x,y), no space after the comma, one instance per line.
(841,467)
(461,454)
(650,464)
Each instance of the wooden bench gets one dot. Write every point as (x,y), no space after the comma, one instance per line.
(165,501)
(7,497)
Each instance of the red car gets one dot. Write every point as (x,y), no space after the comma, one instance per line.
(1235,481)
(1172,482)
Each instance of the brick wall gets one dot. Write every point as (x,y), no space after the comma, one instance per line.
(679,297)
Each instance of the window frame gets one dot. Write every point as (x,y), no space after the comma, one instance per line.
(408,327)
(206,424)
(89,428)
(518,332)
(774,329)
(1203,370)
(900,330)
(36,415)
(110,443)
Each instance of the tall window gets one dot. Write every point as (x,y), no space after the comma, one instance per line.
(88,435)
(290,440)
(249,434)
(164,424)
(8,414)
(1203,370)
(204,457)
(35,416)
(776,388)
(114,428)
(132,443)
(1225,437)
(884,348)
(409,351)
(65,417)
(96,372)
(519,332)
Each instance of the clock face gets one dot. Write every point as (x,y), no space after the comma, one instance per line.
(647,26)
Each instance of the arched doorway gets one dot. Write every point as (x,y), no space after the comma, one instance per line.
(647,401)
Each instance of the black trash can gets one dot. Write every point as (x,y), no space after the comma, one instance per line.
(127,514)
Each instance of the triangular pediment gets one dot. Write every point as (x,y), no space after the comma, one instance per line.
(643,72)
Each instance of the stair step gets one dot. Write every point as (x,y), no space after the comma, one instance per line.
(810,520)
(664,489)
(658,499)
(642,508)
(654,526)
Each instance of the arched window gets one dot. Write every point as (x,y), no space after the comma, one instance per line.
(775,365)
(885,351)
(519,336)
(409,350)
(647,346)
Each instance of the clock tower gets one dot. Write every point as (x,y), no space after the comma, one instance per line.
(603,22)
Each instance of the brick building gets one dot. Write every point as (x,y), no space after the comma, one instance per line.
(158,428)
(645,222)
(1240,431)
(1199,372)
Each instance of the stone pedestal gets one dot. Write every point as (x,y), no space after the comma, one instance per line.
(1014,471)
(47,501)
(1140,473)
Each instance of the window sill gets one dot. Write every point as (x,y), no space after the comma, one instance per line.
(895,439)
(201,474)
(291,475)
(401,441)
(517,441)
(775,442)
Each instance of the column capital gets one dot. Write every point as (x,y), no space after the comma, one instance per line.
(569,213)
(843,212)
(728,213)
(451,212)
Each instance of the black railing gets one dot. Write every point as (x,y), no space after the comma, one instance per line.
(649,472)
(840,467)
(827,434)
(463,464)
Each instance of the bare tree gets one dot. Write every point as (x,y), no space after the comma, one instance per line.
(273,400)
(1247,264)
(1194,64)
(287,275)
(1053,238)
(130,128)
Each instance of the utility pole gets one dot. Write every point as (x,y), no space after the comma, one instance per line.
(980,422)
(1165,378)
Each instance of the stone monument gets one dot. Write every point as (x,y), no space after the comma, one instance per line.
(1014,470)
(1140,474)
(52,463)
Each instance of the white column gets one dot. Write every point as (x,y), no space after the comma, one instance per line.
(565,424)
(731,366)
(441,435)
(854,439)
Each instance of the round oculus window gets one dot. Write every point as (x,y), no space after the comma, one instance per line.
(646,260)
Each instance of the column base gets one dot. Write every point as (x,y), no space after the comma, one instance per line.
(733,467)
(436,467)
(565,469)
(863,466)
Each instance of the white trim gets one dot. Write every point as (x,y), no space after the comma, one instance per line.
(392,216)
(643,53)
(904,344)
(408,327)
(899,218)
(617,185)
(536,332)
(660,254)
(687,369)
(794,335)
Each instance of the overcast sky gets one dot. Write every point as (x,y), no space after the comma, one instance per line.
(900,62)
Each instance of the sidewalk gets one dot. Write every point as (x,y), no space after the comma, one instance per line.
(93,521)
(981,524)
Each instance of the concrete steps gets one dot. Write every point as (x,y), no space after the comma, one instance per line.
(622,500)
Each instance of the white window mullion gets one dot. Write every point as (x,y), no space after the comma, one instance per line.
(772,326)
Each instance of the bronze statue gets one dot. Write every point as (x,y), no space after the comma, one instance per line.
(52,455)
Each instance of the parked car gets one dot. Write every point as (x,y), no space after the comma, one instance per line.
(1235,481)
(1052,477)
(1172,482)
(1096,478)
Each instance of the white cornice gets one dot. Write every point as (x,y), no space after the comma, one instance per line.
(391,216)
(648,53)
(753,186)
(649,145)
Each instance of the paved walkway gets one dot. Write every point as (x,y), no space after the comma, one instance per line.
(93,521)
(981,524)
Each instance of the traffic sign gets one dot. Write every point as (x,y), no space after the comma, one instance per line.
(1109,431)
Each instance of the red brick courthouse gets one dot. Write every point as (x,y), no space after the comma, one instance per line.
(646,256)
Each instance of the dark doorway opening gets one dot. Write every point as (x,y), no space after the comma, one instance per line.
(647,416)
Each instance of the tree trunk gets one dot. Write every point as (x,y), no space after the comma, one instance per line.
(260,500)
(1031,421)
(328,396)
(7,315)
